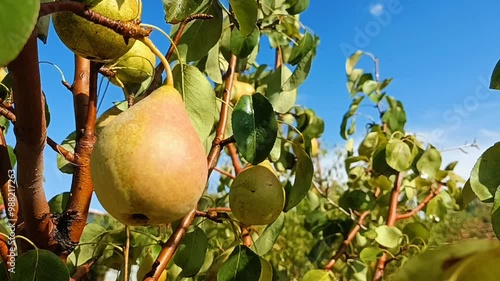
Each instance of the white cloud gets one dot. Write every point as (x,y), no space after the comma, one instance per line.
(377,9)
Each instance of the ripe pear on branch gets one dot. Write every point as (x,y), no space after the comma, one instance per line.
(93,41)
(148,165)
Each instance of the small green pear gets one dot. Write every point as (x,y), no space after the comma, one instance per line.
(135,66)
(256,196)
(148,165)
(93,41)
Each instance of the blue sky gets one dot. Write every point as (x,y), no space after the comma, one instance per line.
(440,55)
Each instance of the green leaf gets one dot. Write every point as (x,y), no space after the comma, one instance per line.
(436,209)
(495,77)
(58,203)
(388,236)
(304,171)
(357,200)
(4,123)
(370,254)
(92,243)
(178,10)
(212,65)
(255,127)
(266,240)
(282,101)
(17,22)
(395,117)
(369,144)
(200,35)
(310,124)
(242,46)
(40,265)
(352,110)
(430,162)
(369,87)
(484,178)
(303,47)
(191,253)
(47,111)
(398,155)
(436,262)
(301,72)
(495,214)
(468,194)
(242,264)
(266,274)
(417,232)
(43,25)
(245,12)
(69,144)
(199,98)
(318,275)
(12,155)
(352,61)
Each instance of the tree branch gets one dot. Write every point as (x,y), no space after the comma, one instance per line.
(128,29)
(31,134)
(420,206)
(233,153)
(213,215)
(348,241)
(214,153)
(222,172)
(170,247)
(391,221)
(85,102)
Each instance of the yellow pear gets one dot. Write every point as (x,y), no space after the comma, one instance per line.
(93,41)
(256,196)
(314,147)
(135,66)
(240,89)
(105,118)
(148,165)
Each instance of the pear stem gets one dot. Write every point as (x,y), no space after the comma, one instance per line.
(126,252)
(168,70)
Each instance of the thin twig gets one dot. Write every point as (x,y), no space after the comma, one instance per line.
(128,29)
(126,252)
(224,173)
(432,194)
(170,247)
(233,153)
(391,221)
(348,241)
(214,153)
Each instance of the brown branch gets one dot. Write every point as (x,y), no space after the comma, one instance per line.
(278,58)
(347,242)
(219,209)
(222,172)
(56,147)
(4,253)
(391,221)
(85,103)
(70,157)
(170,247)
(233,153)
(82,271)
(7,182)
(31,134)
(128,29)
(157,79)
(213,215)
(214,153)
(420,206)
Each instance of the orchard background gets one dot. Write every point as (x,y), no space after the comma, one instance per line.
(378,118)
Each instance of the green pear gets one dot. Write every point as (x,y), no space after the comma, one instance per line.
(135,66)
(256,196)
(93,41)
(148,165)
